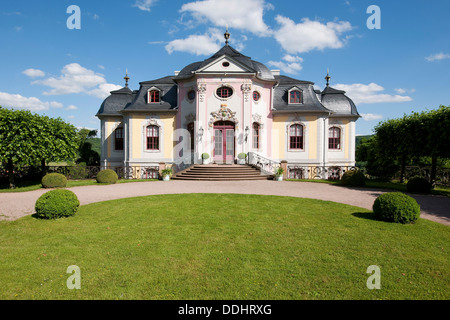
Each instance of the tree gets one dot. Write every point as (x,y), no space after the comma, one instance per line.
(28,139)
(380,162)
(398,142)
(85,152)
(437,136)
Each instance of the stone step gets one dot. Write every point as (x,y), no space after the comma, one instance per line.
(221,179)
(221,173)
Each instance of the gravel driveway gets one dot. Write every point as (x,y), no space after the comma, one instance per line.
(19,204)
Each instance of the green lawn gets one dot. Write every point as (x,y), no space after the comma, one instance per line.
(221,246)
(35,185)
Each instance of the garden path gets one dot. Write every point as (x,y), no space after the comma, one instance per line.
(19,204)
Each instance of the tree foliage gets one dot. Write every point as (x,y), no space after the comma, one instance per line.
(85,152)
(28,139)
(397,142)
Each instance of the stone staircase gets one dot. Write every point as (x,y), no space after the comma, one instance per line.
(221,172)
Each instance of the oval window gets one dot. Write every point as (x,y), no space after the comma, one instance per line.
(191,95)
(256,96)
(226,64)
(224,92)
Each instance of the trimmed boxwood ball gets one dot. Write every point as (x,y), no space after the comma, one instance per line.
(419,185)
(107,176)
(54,180)
(353,178)
(57,204)
(396,207)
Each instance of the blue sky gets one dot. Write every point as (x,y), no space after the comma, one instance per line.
(51,69)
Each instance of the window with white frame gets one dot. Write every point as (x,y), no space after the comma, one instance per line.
(296,137)
(152,138)
(334,138)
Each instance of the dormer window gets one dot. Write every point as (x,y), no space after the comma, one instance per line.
(153,96)
(295,96)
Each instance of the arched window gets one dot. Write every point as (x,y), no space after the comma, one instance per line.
(295,96)
(118,139)
(334,138)
(256,135)
(153,96)
(296,137)
(152,135)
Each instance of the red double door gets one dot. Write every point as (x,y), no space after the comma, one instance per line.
(224,142)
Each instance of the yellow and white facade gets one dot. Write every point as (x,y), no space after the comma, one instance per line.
(223,106)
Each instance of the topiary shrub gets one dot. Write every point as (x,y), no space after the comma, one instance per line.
(57,204)
(107,176)
(418,185)
(353,178)
(54,180)
(396,207)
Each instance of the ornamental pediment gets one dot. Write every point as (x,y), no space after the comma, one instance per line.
(223,114)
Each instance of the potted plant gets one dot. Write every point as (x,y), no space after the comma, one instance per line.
(205,158)
(166,173)
(241,158)
(279,174)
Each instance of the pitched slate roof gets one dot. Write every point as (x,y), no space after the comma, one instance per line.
(258,68)
(115,103)
(329,101)
(338,102)
(281,98)
(168,96)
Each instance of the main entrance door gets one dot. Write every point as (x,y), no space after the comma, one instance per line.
(224,142)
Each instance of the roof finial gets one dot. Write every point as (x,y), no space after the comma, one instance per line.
(227,36)
(126,78)
(328,77)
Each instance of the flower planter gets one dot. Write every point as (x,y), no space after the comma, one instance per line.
(278,178)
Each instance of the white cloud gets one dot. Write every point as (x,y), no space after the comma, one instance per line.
(34,73)
(71,107)
(103,90)
(438,57)
(144,5)
(371,93)
(291,64)
(310,35)
(205,44)
(156,42)
(76,79)
(18,101)
(238,14)
(371,116)
(71,117)
(403,91)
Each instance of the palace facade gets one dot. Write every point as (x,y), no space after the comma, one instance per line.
(223,106)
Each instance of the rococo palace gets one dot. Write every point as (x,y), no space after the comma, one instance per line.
(225,106)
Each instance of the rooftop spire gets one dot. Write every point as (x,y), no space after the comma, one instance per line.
(328,77)
(126,78)
(227,36)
